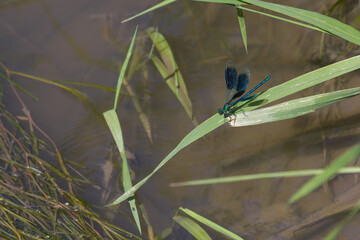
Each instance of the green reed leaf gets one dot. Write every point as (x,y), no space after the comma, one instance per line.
(210,224)
(192,227)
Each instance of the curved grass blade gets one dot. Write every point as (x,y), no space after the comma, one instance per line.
(285,174)
(326,23)
(159,5)
(92,85)
(113,122)
(270,95)
(192,227)
(282,19)
(293,108)
(210,224)
(109,89)
(169,70)
(242,25)
(73,91)
(345,159)
(44,80)
(85,84)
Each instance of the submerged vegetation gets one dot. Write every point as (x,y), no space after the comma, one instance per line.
(38,189)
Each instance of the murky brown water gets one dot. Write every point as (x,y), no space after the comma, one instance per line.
(83,41)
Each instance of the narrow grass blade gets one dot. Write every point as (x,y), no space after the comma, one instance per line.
(326,23)
(98,86)
(18,86)
(73,91)
(282,19)
(85,84)
(286,174)
(44,80)
(335,232)
(159,5)
(273,94)
(211,224)
(242,25)
(345,159)
(123,68)
(169,70)
(291,109)
(192,227)
(153,44)
(113,122)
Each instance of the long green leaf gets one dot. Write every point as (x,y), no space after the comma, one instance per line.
(73,91)
(326,23)
(192,227)
(113,122)
(159,5)
(242,25)
(282,19)
(293,108)
(286,174)
(210,224)
(345,159)
(273,94)
(44,80)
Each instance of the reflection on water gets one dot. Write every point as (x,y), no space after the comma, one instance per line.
(84,42)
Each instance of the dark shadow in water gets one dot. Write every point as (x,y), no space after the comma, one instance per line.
(346,137)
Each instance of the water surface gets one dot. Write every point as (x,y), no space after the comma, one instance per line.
(84,41)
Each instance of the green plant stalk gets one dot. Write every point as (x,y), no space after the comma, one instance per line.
(286,174)
(113,123)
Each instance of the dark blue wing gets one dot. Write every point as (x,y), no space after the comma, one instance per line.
(231,80)
(243,83)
